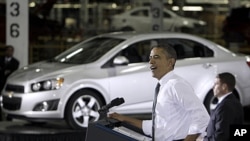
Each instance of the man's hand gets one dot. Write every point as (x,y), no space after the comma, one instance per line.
(192,137)
(117,116)
(127,119)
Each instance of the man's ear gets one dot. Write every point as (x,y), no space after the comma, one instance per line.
(172,61)
(224,87)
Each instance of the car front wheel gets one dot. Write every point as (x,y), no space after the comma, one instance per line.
(127,28)
(82,108)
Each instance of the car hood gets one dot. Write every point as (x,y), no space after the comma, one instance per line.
(41,69)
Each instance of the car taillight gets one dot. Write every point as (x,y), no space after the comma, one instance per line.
(248,60)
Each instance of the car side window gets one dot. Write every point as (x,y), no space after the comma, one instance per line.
(188,49)
(141,13)
(132,54)
(166,15)
(138,52)
(135,53)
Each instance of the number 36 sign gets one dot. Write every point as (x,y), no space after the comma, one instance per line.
(157,15)
(17,28)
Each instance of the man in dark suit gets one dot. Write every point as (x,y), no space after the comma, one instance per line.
(8,64)
(228,111)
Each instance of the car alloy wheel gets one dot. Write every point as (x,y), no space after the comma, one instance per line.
(82,108)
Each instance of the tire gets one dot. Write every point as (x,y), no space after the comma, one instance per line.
(82,108)
(186,30)
(127,29)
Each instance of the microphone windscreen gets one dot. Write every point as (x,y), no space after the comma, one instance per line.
(117,101)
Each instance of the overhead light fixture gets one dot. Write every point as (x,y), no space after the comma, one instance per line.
(32,4)
(188,8)
(114,5)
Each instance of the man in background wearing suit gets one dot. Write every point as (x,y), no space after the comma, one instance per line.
(8,64)
(228,111)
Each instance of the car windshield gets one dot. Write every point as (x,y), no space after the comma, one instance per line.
(87,52)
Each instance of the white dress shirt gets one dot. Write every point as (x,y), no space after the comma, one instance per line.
(179,111)
(7,59)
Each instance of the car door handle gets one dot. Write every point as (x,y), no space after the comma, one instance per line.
(207,65)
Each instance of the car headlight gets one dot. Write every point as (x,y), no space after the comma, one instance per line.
(51,84)
(36,87)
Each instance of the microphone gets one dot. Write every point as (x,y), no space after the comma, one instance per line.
(114,102)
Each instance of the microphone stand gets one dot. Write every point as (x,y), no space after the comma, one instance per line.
(103,113)
(105,109)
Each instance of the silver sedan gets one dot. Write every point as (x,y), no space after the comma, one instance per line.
(77,83)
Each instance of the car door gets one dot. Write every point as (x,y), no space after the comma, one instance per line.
(140,20)
(168,21)
(133,81)
(195,64)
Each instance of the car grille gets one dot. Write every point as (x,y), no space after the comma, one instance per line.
(13,103)
(15,88)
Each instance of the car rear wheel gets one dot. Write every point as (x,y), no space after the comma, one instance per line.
(187,30)
(82,108)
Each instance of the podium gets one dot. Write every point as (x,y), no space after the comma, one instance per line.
(113,130)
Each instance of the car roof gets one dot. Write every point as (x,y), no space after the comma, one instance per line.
(143,7)
(133,34)
(166,34)
(147,8)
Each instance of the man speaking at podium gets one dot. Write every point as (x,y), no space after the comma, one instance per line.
(177,112)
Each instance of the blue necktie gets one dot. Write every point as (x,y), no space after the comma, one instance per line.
(157,88)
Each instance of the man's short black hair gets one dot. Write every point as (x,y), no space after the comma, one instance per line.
(169,50)
(9,46)
(228,79)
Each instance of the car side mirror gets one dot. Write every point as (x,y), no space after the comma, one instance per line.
(120,60)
